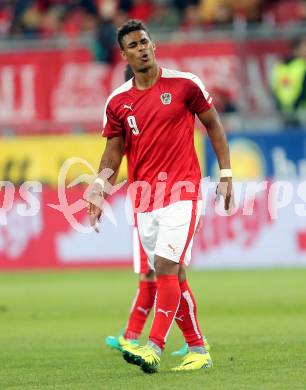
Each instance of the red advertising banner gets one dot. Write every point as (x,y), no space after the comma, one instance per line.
(39,231)
(66,87)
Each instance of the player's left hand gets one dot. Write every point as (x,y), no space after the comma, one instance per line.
(225,189)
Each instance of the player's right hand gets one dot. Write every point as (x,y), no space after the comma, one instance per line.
(94,214)
(94,198)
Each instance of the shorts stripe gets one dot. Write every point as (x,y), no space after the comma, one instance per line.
(191,230)
(140,258)
(136,252)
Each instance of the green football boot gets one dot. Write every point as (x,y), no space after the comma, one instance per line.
(184,350)
(118,342)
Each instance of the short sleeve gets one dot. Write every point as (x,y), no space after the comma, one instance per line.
(112,125)
(198,99)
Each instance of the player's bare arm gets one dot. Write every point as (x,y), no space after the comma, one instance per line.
(110,160)
(216,133)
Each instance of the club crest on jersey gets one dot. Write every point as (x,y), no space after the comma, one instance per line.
(166,98)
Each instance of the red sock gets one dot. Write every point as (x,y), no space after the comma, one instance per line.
(167,301)
(142,305)
(186,317)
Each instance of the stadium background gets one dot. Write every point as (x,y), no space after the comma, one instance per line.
(58,63)
(56,72)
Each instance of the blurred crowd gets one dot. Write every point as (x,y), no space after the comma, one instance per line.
(45,18)
(51,18)
(288,85)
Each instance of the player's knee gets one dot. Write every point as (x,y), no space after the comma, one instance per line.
(181,273)
(148,277)
(165,267)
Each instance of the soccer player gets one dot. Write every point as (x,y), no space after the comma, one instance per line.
(145,295)
(151,119)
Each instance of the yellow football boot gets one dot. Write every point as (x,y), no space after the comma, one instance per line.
(145,357)
(194,361)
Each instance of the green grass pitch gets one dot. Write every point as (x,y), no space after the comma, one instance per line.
(52,327)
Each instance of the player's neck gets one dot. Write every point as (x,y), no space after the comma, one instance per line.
(144,80)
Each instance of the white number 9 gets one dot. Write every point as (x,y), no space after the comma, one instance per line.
(133,125)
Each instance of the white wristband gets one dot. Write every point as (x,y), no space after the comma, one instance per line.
(226,173)
(100,181)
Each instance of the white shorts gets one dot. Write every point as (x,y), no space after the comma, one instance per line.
(168,232)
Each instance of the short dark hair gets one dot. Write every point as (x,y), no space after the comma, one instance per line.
(129,26)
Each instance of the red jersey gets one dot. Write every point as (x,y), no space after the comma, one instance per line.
(158,126)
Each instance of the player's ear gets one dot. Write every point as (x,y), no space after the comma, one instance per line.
(154,46)
(123,55)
